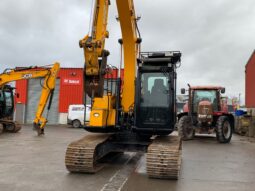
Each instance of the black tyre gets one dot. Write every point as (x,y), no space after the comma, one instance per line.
(224,130)
(76,123)
(186,130)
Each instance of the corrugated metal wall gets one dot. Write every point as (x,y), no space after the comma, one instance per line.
(250,82)
(34,93)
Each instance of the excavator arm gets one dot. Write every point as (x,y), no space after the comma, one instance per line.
(49,74)
(47,94)
(94,52)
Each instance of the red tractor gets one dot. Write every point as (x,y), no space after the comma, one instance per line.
(205,113)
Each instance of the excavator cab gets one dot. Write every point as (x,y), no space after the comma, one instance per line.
(156,93)
(6,102)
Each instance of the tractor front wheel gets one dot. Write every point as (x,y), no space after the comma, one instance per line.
(224,130)
(186,130)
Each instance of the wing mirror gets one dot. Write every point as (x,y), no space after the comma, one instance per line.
(183,91)
(223,90)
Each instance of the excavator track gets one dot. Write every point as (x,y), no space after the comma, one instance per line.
(17,127)
(10,126)
(164,157)
(83,155)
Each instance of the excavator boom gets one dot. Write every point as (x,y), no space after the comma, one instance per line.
(131,43)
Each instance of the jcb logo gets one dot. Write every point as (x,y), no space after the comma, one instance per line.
(27,76)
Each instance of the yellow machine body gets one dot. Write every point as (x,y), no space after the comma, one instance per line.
(103,112)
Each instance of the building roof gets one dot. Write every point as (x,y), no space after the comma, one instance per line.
(206,87)
(248,62)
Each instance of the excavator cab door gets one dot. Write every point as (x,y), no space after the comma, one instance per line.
(154,103)
(6,102)
(155,95)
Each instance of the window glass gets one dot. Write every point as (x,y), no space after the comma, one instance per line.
(8,97)
(1,96)
(154,90)
(78,109)
(204,95)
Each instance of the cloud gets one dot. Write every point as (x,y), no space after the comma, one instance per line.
(215,37)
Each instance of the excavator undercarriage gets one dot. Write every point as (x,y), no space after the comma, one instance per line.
(9,126)
(163,153)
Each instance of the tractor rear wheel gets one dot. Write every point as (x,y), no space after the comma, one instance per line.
(186,130)
(224,130)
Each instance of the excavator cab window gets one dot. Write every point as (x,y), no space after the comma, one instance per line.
(154,86)
(1,96)
(6,102)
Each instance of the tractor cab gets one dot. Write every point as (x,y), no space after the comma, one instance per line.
(156,93)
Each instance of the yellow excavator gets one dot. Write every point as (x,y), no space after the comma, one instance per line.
(131,115)
(7,95)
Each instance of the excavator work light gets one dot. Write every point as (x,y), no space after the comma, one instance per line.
(96,114)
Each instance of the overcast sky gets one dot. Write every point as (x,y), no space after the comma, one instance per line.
(215,37)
